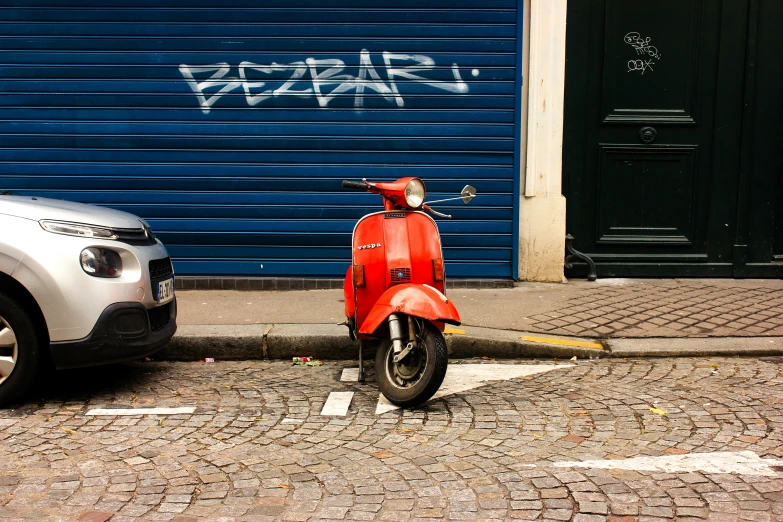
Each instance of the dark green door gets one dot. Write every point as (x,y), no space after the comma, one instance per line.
(758,250)
(653,122)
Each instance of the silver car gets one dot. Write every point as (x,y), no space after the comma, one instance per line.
(79,285)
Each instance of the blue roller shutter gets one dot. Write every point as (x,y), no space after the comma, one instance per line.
(229,125)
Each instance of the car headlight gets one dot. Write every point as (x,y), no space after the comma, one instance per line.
(147,229)
(415,193)
(101,262)
(77,229)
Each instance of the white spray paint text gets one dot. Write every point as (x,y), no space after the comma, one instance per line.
(643,47)
(326,78)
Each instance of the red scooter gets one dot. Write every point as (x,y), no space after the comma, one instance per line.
(395,291)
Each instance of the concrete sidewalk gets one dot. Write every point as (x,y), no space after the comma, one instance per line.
(610,317)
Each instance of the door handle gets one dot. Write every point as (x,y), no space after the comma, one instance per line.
(648,135)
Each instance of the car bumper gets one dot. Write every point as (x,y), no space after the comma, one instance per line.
(124,331)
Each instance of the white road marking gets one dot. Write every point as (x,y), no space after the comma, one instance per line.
(142,411)
(741,463)
(350,375)
(337,403)
(292,421)
(384,405)
(463,377)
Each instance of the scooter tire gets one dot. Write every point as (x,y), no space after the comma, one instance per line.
(434,371)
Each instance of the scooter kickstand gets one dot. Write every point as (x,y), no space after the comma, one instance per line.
(361,361)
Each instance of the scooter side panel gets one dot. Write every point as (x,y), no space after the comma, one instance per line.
(369,250)
(350,304)
(424,242)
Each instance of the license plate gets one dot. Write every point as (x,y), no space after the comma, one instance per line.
(165,291)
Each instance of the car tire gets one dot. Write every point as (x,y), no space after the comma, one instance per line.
(22,341)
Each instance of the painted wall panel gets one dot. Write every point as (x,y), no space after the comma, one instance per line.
(230,127)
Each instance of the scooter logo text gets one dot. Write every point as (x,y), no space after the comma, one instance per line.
(372,245)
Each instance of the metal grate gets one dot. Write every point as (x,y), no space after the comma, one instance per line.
(400,275)
(159,317)
(161,269)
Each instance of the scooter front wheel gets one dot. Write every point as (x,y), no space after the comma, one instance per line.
(415,378)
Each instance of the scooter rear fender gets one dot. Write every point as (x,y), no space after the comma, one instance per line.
(411,299)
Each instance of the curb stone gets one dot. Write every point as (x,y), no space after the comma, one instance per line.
(508,344)
(322,341)
(222,341)
(331,342)
(694,347)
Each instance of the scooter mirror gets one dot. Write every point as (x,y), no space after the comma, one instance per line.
(468,193)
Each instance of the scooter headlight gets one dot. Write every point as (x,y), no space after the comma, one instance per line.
(415,193)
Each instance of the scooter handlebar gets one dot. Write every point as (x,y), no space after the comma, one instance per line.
(358,185)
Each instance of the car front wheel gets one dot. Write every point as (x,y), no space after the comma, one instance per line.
(21,343)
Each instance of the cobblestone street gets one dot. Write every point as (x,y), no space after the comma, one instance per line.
(258,448)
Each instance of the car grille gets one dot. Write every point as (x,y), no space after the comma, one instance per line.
(133,236)
(161,269)
(130,234)
(159,317)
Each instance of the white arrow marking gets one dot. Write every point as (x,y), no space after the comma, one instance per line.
(742,463)
(463,377)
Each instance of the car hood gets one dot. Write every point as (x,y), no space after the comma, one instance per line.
(59,210)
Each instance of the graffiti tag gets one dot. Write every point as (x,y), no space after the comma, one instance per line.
(642,45)
(643,48)
(640,65)
(321,79)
